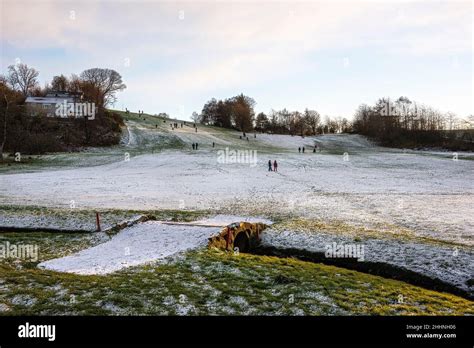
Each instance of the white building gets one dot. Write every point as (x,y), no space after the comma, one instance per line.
(47,105)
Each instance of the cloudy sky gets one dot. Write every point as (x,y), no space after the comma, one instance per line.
(326,55)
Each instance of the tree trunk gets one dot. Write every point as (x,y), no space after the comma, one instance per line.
(4,130)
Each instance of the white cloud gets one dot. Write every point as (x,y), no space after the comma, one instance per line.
(227,44)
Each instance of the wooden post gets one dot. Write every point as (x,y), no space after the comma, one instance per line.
(97,219)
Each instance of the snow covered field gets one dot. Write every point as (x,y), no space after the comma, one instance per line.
(430,195)
(413,199)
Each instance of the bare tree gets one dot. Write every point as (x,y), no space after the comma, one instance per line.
(101,85)
(22,78)
(312,119)
(451,120)
(195,117)
(60,83)
(7,103)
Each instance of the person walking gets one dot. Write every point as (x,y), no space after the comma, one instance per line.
(213,144)
(196,146)
(275,166)
(299,149)
(303,149)
(269,165)
(193,146)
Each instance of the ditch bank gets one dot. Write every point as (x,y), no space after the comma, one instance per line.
(381,269)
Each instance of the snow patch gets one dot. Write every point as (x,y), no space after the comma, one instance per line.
(139,244)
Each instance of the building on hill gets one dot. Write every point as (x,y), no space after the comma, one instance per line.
(47,105)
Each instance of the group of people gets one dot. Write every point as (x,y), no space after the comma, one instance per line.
(244,136)
(275,166)
(195,145)
(302,149)
(175,125)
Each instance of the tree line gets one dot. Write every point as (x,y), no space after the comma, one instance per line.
(407,123)
(401,122)
(238,113)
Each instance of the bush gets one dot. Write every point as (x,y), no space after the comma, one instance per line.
(40,134)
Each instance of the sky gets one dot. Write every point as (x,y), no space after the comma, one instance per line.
(329,56)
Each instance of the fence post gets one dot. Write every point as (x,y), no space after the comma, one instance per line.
(97,219)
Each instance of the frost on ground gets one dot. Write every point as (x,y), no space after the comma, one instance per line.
(133,246)
(425,194)
(224,220)
(451,264)
(69,220)
(430,195)
(142,243)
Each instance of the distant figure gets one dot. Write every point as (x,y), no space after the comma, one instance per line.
(244,134)
(299,149)
(269,165)
(314,150)
(196,129)
(240,137)
(255,135)
(213,144)
(303,149)
(275,166)
(247,138)
(156,126)
(196,146)
(193,146)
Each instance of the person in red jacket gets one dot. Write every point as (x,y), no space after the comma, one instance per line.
(275,166)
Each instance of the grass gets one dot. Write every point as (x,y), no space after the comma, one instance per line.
(151,135)
(386,231)
(84,219)
(206,282)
